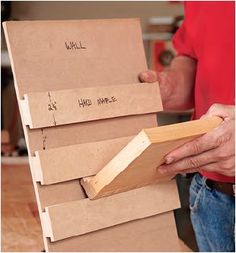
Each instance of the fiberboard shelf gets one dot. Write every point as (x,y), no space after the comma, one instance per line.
(112,54)
(53,108)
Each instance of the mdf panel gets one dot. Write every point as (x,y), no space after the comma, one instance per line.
(53,108)
(84,216)
(156,233)
(114,53)
(111,53)
(74,163)
(49,195)
(47,138)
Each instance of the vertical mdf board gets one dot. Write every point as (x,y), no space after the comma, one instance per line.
(43,59)
(156,233)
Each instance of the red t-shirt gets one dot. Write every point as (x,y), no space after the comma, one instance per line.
(207,35)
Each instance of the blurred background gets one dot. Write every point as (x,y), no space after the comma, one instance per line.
(159,21)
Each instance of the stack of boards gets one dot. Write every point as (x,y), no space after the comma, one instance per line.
(82,106)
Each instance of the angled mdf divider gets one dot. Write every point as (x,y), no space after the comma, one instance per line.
(61,164)
(137,163)
(52,108)
(84,216)
(142,235)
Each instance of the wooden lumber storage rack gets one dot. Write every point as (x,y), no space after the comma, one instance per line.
(81,102)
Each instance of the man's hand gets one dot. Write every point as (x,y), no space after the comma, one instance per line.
(176,83)
(214,151)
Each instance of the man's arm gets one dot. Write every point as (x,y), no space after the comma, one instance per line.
(213,151)
(176,83)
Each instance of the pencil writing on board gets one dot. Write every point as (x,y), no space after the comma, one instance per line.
(72,45)
(86,102)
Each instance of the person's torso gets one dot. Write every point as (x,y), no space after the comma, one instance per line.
(211,29)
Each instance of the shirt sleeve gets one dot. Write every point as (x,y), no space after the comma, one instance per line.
(182,42)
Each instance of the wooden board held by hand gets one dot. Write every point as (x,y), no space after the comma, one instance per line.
(136,164)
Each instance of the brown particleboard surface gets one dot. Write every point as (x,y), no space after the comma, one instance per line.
(20,220)
(41,62)
(94,215)
(47,138)
(53,108)
(137,163)
(74,162)
(155,233)
(114,53)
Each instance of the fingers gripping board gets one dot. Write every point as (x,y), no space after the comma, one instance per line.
(136,165)
(53,58)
